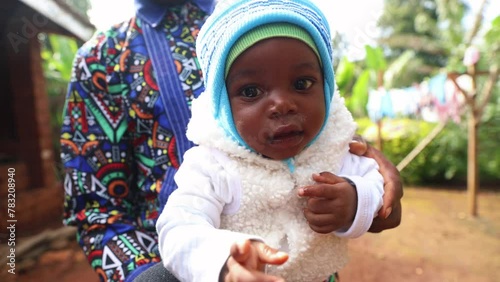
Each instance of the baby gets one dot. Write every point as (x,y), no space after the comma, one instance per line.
(271,191)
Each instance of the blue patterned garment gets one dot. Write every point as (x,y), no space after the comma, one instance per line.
(117,145)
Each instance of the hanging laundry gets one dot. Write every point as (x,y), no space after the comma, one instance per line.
(435,99)
(392,103)
(436,87)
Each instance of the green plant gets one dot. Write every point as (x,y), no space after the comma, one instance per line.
(57,53)
(444,160)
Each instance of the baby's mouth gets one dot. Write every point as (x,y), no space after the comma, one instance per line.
(285,133)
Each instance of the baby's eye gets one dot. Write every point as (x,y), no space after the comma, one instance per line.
(250,92)
(303,84)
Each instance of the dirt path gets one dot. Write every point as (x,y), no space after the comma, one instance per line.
(436,241)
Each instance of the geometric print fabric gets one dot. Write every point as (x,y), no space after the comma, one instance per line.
(117,144)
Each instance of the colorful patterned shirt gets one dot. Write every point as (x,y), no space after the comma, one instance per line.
(116,141)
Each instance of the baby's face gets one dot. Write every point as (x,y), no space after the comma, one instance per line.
(276,91)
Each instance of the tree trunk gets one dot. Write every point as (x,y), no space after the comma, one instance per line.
(472,145)
(472,169)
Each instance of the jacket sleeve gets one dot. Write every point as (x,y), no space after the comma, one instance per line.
(370,189)
(191,245)
(98,175)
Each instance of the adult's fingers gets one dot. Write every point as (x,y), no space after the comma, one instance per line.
(393,187)
(380,224)
(393,192)
(358,145)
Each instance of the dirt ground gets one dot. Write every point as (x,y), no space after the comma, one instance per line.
(436,241)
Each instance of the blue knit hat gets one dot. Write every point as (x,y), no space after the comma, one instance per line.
(266,31)
(231,20)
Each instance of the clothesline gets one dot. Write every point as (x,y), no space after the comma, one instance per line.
(437,99)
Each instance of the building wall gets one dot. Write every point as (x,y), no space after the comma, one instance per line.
(28,144)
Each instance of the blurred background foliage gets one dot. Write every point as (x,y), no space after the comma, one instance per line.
(418,39)
(444,160)
(57,54)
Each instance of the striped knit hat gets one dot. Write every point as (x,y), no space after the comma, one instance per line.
(266,31)
(232,20)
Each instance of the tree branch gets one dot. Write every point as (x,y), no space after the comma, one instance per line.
(453,76)
(414,42)
(488,89)
(478,19)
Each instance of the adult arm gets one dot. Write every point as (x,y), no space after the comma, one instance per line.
(389,215)
(363,172)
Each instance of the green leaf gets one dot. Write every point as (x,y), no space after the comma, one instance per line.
(375,59)
(359,98)
(344,74)
(63,52)
(493,34)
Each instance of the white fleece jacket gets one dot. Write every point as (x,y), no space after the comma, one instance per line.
(227,193)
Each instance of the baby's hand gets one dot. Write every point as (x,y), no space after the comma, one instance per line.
(331,203)
(247,260)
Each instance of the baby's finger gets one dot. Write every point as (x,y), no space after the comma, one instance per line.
(327,178)
(320,219)
(240,251)
(327,191)
(238,272)
(270,255)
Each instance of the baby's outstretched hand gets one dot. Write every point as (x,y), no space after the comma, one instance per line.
(247,260)
(331,203)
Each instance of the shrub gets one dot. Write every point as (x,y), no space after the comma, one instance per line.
(444,160)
